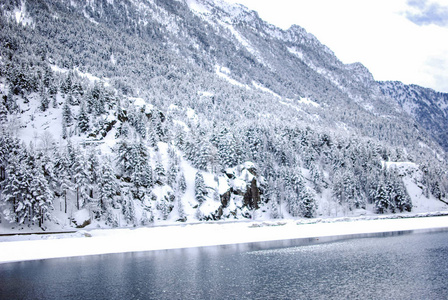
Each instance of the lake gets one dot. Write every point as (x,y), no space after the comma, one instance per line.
(401,265)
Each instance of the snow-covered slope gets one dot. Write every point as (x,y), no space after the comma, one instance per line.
(180,111)
(428,107)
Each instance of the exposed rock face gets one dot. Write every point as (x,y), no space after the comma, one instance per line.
(241,192)
(225,198)
(244,193)
(252,195)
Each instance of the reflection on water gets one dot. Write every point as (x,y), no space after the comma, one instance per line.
(401,265)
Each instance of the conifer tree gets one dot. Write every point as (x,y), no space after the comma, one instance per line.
(107,190)
(83,119)
(63,176)
(81,181)
(172,174)
(308,205)
(67,113)
(44,100)
(42,197)
(199,188)
(182,183)
(128,209)
(381,198)
(159,174)
(181,210)
(14,190)
(3,114)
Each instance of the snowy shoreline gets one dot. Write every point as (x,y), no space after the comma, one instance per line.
(109,241)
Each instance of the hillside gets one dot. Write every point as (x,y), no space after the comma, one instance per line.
(126,113)
(428,107)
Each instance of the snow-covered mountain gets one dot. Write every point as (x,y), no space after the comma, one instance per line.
(428,107)
(123,113)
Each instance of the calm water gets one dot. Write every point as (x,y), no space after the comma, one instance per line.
(393,266)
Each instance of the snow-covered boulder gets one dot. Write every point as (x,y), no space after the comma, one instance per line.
(81,218)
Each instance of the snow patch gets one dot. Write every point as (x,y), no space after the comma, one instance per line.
(290,105)
(21,15)
(141,103)
(307,101)
(423,145)
(265,89)
(242,41)
(191,114)
(108,142)
(197,7)
(113,60)
(173,107)
(96,242)
(296,52)
(89,18)
(205,94)
(369,107)
(405,165)
(92,77)
(225,72)
(58,69)
(182,124)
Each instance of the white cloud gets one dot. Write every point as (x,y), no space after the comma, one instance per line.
(424,12)
(377,33)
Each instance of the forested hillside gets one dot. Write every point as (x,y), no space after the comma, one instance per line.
(126,113)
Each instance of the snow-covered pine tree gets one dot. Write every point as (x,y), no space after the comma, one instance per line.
(254,144)
(44,99)
(42,197)
(123,158)
(316,177)
(160,176)
(199,188)
(64,129)
(92,171)
(202,157)
(66,84)
(181,209)
(107,191)
(172,173)
(165,205)
(398,194)
(381,198)
(227,149)
(81,181)
(67,113)
(293,202)
(63,176)
(13,192)
(141,180)
(9,148)
(96,100)
(128,208)
(140,125)
(308,204)
(18,187)
(3,114)
(182,183)
(83,120)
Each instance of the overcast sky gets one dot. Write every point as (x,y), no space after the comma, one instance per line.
(405,40)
